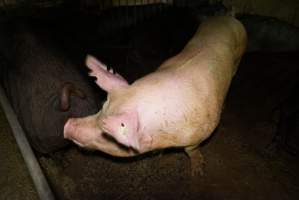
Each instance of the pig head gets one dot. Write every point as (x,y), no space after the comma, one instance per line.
(114,129)
(178,105)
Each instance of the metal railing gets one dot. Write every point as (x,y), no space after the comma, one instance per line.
(39,179)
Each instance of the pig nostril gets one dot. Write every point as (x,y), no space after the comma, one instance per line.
(122,125)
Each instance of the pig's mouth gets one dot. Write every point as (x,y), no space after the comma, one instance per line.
(74,140)
(77,143)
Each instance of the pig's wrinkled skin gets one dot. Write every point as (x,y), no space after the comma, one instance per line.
(179,105)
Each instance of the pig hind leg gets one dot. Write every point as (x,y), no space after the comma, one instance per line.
(196,159)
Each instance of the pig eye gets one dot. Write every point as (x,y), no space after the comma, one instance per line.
(122,125)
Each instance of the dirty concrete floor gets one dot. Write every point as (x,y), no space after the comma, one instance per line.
(237,166)
(15,181)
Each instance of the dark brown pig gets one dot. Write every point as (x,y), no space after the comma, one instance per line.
(178,105)
(43,85)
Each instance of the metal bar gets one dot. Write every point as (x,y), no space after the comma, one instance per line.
(39,180)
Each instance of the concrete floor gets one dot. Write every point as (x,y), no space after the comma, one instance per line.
(15,181)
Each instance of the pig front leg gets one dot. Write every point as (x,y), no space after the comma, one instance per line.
(196,159)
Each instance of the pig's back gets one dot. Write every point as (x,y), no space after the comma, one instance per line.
(171,105)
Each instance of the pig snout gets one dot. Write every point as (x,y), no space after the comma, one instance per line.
(69,131)
(73,130)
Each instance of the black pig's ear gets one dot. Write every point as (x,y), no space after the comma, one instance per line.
(68,90)
(107,80)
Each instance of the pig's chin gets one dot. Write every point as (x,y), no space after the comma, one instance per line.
(78,143)
(87,145)
(89,141)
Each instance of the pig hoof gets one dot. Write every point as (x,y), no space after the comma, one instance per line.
(197,161)
(197,165)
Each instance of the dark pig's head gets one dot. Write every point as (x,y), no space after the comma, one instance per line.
(115,125)
(72,99)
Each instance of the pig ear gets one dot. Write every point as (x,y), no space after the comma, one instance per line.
(107,80)
(124,128)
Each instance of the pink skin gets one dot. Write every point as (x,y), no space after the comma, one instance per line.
(179,105)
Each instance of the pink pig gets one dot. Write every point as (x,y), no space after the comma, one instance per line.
(179,105)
